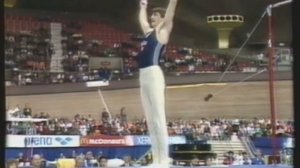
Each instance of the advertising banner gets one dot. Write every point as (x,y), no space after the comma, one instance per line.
(106,141)
(145,140)
(119,141)
(42,141)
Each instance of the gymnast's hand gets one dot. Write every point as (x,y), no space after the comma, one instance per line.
(144,3)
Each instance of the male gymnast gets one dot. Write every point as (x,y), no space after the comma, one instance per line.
(151,78)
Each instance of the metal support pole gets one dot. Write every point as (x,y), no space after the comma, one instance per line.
(271,69)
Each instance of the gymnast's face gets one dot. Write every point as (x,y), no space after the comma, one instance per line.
(155,19)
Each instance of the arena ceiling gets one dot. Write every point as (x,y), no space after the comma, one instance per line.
(190,25)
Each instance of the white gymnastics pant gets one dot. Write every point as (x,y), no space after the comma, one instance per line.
(152,89)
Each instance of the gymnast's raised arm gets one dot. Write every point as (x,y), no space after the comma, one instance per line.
(143,17)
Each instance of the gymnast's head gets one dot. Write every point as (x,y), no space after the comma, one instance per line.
(157,16)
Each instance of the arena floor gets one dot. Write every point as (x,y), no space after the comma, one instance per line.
(245,100)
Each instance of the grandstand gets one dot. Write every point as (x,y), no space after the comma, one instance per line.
(87,42)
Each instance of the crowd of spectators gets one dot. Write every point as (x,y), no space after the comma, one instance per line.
(203,128)
(232,158)
(104,124)
(92,160)
(242,158)
(189,60)
(80,160)
(28,50)
(28,55)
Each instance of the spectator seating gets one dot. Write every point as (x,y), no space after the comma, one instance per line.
(85,38)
